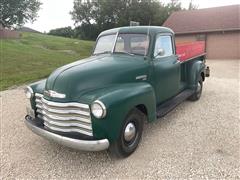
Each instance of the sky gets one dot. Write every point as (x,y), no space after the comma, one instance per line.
(55,14)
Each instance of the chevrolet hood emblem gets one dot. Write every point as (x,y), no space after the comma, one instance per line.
(54,94)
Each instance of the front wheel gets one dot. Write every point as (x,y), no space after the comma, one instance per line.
(198,92)
(130,135)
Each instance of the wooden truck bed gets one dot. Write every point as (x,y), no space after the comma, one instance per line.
(187,51)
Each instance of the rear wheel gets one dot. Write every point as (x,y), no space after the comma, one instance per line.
(198,92)
(130,135)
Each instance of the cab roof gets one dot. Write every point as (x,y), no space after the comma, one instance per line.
(138,29)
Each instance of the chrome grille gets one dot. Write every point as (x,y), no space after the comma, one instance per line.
(64,117)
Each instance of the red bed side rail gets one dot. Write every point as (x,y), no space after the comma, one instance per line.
(189,50)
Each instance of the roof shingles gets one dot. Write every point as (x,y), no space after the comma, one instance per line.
(223,18)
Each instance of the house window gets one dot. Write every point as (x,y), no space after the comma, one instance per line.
(201,37)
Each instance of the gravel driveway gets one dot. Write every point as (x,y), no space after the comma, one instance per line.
(196,140)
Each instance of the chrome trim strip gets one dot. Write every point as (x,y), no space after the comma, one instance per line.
(38,101)
(115,41)
(38,106)
(61,118)
(143,77)
(50,103)
(66,111)
(95,145)
(28,88)
(69,124)
(62,129)
(64,117)
(54,94)
(38,95)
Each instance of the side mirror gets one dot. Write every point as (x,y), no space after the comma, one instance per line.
(160,52)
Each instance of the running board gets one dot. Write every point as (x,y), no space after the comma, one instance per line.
(170,104)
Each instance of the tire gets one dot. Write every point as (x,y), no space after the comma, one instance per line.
(198,92)
(128,141)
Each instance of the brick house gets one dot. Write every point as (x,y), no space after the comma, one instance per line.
(219,27)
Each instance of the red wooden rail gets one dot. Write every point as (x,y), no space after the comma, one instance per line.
(187,51)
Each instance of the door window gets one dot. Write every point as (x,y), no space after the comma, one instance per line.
(164,45)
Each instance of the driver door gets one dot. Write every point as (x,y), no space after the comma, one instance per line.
(166,68)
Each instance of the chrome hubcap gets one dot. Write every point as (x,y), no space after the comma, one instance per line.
(129,132)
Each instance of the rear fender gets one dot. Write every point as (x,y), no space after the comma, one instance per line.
(195,69)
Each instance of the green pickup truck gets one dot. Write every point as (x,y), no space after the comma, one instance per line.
(135,74)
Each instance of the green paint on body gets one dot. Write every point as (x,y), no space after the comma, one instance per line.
(116,80)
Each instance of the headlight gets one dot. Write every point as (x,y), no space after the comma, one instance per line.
(28,92)
(98,109)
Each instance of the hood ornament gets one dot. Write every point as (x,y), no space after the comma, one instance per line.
(54,94)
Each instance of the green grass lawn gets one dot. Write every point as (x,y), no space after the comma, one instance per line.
(34,56)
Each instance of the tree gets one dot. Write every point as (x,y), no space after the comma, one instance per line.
(65,32)
(83,11)
(98,15)
(174,5)
(18,12)
(86,31)
(115,12)
(192,6)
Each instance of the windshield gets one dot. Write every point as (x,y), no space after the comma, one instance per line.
(125,43)
(105,44)
(132,43)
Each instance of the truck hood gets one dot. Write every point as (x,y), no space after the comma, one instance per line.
(96,72)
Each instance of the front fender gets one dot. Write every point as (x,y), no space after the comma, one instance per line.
(37,87)
(119,100)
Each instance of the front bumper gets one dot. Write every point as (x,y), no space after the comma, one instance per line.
(84,145)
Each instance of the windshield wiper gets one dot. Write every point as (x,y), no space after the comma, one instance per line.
(104,52)
(124,52)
